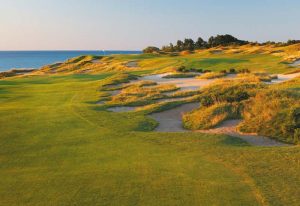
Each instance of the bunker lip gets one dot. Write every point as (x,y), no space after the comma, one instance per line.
(229,127)
(171,121)
(122,109)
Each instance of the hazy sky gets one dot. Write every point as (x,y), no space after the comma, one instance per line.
(134,24)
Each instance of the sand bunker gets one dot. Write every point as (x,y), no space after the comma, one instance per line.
(114,92)
(100,102)
(172,99)
(295,63)
(171,120)
(121,109)
(132,64)
(229,128)
(285,77)
(216,52)
(182,83)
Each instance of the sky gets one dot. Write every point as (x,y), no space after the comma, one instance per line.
(135,24)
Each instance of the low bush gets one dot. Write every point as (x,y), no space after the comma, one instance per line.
(182,69)
(243,71)
(232,71)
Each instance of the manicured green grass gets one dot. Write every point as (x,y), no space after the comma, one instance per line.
(59,148)
(208,61)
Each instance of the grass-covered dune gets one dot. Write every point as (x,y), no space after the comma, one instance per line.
(59,148)
(255,58)
(269,110)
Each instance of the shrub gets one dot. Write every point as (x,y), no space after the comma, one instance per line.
(232,71)
(182,69)
(199,70)
(206,101)
(206,71)
(244,71)
(151,49)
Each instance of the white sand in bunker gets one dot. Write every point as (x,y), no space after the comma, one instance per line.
(296,63)
(171,120)
(182,83)
(132,64)
(121,109)
(285,77)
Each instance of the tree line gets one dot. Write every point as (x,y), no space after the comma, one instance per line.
(214,41)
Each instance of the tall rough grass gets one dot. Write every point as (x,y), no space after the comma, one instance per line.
(209,117)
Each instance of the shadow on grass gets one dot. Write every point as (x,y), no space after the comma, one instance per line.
(233,141)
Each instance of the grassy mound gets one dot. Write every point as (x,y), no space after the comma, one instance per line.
(212,75)
(180,75)
(209,117)
(266,110)
(274,113)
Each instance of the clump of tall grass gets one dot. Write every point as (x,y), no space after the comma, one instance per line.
(119,78)
(219,102)
(257,77)
(229,91)
(274,113)
(212,75)
(188,93)
(180,75)
(208,117)
(137,94)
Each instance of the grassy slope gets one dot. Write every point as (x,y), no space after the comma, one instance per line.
(58,149)
(254,58)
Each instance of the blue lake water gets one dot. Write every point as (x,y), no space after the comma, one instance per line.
(36,59)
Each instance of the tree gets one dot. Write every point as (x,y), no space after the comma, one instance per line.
(171,47)
(225,40)
(180,45)
(151,49)
(200,43)
(189,44)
